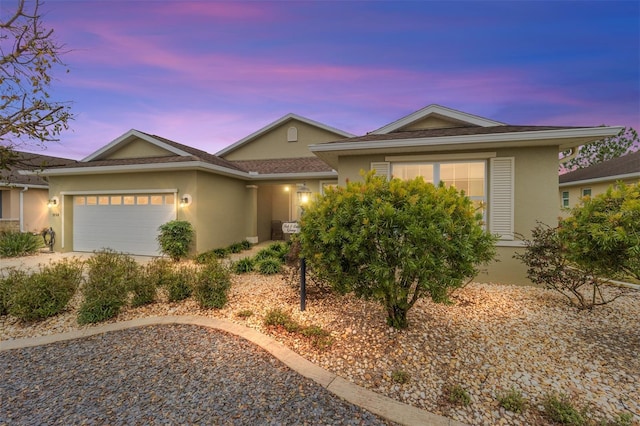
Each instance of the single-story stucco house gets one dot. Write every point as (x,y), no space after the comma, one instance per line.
(24,199)
(119,195)
(596,179)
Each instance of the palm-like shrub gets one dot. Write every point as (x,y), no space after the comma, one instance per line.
(14,244)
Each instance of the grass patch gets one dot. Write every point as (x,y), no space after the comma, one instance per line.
(400,376)
(512,400)
(558,408)
(243,266)
(319,338)
(245,313)
(458,395)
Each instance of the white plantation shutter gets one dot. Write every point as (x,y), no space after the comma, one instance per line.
(501,208)
(382,168)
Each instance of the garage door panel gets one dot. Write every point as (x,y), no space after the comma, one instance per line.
(125,228)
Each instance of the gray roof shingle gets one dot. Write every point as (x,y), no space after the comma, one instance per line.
(626,164)
(33,162)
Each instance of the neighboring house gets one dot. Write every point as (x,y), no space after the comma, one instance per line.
(24,199)
(119,195)
(595,179)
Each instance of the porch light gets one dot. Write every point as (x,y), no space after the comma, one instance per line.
(185,201)
(304,195)
(52,202)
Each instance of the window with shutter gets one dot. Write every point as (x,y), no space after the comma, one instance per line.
(501,205)
(381,168)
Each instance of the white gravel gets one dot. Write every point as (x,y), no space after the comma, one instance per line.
(493,338)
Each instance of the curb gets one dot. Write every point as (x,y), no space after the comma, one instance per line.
(383,406)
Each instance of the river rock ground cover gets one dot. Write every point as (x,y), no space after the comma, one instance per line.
(493,338)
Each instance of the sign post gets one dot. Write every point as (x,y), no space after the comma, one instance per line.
(294,228)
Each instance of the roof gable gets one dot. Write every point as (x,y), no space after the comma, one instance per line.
(436,117)
(271,127)
(129,146)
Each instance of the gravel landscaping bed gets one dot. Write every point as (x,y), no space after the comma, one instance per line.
(493,338)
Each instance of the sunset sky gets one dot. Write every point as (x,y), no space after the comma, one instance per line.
(208,73)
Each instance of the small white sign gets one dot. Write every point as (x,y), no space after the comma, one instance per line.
(291,227)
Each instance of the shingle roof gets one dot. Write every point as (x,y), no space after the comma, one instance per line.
(30,161)
(285,165)
(453,131)
(626,164)
(201,155)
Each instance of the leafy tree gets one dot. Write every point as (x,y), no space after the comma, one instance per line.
(395,241)
(603,232)
(604,149)
(28,56)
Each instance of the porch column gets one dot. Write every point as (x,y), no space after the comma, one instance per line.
(252,214)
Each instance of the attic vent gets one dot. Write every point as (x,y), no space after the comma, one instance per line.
(292,134)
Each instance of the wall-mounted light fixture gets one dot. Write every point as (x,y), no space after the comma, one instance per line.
(185,200)
(304,195)
(53,202)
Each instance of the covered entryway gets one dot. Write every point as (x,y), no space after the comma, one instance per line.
(126,223)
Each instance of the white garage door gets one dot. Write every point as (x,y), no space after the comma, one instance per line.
(125,223)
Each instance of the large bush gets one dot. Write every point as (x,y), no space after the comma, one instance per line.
(106,288)
(603,233)
(211,285)
(395,241)
(44,293)
(175,238)
(13,244)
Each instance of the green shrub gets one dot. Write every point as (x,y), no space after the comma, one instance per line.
(266,253)
(276,317)
(459,396)
(44,293)
(211,255)
(246,313)
(212,283)
(320,338)
(14,244)
(13,278)
(400,376)
(280,250)
(236,247)
(602,235)
(269,266)
(246,245)
(243,266)
(512,400)
(175,238)
(395,241)
(143,285)
(179,283)
(106,287)
(558,408)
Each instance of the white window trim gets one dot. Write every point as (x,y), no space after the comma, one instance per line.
(441,157)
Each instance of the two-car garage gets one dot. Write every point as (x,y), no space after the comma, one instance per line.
(126,223)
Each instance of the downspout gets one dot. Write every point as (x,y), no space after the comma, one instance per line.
(25,189)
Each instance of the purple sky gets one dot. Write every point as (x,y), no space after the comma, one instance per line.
(208,73)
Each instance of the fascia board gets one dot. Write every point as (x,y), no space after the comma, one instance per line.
(275,124)
(22,185)
(133,133)
(538,135)
(309,175)
(187,165)
(439,110)
(601,179)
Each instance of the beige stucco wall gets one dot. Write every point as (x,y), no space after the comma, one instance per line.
(35,215)
(219,210)
(138,148)
(35,210)
(274,143)
(535,198)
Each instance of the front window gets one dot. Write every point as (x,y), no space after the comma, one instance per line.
(586,192)
(565,199)
(467,176)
